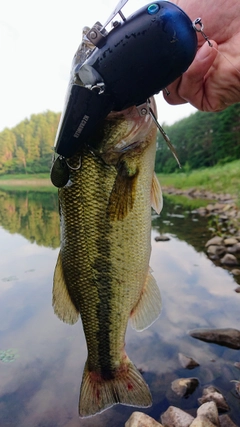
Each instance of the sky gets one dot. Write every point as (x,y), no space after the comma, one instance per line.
(38,40)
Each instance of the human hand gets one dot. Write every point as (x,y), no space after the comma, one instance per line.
(212,82)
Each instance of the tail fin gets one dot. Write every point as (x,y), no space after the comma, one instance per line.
(127,387)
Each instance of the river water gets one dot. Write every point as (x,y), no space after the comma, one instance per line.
(41,358)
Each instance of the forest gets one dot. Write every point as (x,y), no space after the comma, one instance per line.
(28,147)
(201,140)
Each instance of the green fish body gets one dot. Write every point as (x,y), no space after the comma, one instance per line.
(102,272)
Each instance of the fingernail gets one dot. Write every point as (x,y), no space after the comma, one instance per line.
(204,52)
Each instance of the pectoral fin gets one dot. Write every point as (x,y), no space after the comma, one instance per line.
(156,195)
(123,193)
(61,301)
(148,306)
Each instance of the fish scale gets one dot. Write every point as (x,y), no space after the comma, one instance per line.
(103,266)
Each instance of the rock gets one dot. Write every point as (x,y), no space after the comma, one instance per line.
(216,250)
(215,241)
(223,217)
(236,272)
(235,248)
(139,419)
(230,241)
(162,238)
(219,206)
(227,337)
(237,290)
(183,387)
(225,421)
(228,206)
(211,394)
(237,364)
(187,362)
(201,211)
(237,386)
(202,422)
(175,417)
(232,249)
(209,410)
(210,207)
(229,259)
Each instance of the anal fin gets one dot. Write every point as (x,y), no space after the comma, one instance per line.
(148,307)
(61,301)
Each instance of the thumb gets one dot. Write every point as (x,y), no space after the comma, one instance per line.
(190,87)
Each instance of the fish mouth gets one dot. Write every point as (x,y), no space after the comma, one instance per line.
(139,126)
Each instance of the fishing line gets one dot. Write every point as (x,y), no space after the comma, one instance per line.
(165,136)
(199,29)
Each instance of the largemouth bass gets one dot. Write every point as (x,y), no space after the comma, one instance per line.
(102,272)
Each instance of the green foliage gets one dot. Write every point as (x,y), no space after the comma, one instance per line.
(218,179)
(201,140)
(27,148)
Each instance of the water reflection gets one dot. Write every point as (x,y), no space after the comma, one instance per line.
(32,214)
(41,386)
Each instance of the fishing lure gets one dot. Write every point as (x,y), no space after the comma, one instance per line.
(137,58)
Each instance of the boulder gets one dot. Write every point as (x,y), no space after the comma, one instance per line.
(237,365)
(216,250)
(236,272)
(234,249)
(227,337)
(202,422)
(230,241)
(210,207)
(162,238)
(175,417)
(211,394)
(187,362)
(183,387)
(215,241)
(225,421)
(229,259)
(139,419)
(209,410)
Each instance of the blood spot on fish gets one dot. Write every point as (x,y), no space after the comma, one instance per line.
(130,386)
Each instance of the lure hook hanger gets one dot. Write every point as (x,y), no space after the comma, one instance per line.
(199,29)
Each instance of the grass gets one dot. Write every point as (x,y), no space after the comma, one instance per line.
(26,182)
(24,176)
(218,179)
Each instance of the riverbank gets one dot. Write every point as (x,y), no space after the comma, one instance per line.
(25,182)
(217,180)
(223,221)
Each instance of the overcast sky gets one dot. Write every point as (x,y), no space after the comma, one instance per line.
(37,42)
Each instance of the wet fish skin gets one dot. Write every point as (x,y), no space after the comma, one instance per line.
(102,272)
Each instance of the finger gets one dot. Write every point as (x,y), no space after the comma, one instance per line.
(190,86)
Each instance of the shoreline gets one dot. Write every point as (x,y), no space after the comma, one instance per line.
(25,182)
